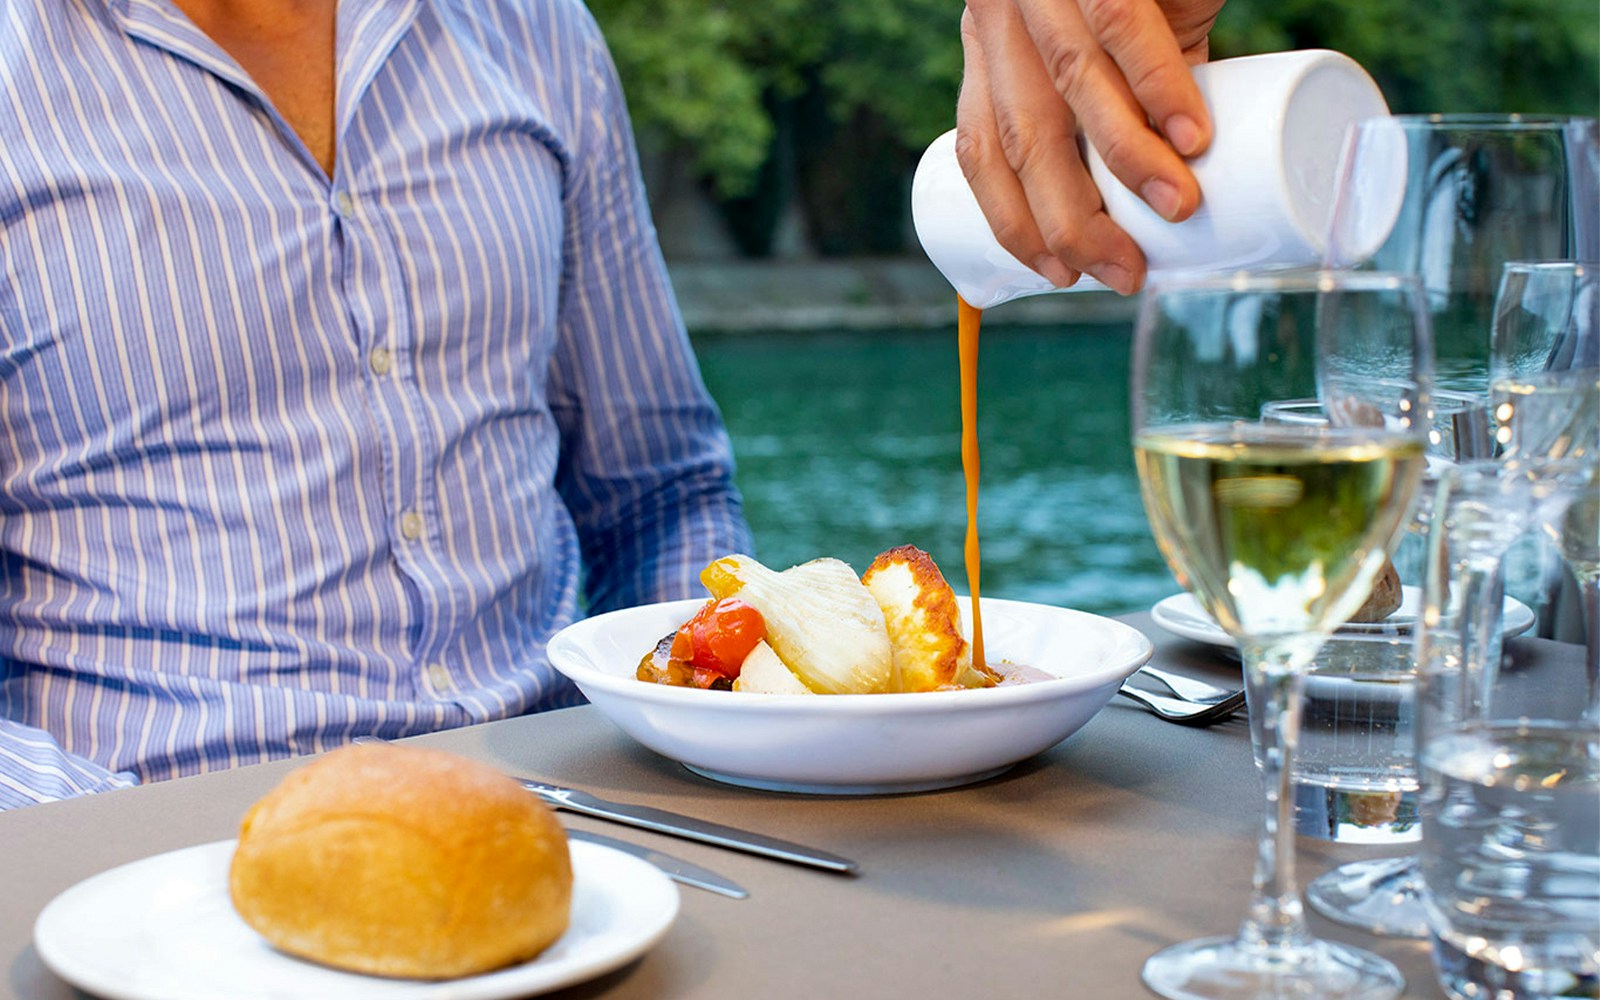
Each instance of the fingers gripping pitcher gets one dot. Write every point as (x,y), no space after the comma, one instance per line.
(1266,182)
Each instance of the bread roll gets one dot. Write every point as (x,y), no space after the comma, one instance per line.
(1385,598)
(398,861)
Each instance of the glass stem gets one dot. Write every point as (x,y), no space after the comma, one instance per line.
(1276,918)
(1589,587)
(1483,601)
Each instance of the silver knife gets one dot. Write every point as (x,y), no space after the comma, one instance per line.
(674,825)
(675,868)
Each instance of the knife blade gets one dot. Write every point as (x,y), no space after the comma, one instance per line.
(674,867)
(687,827)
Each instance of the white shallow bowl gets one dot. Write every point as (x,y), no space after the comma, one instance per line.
(858,744)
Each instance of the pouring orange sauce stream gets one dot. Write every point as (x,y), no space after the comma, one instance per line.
(968,319)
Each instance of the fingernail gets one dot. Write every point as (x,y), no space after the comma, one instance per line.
(1163,197)
(1183,133)
(1059,274)
(1114,277)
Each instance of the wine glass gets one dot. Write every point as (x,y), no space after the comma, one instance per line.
(1546,318)
(1547,321)
(1279,531)
(1549,424)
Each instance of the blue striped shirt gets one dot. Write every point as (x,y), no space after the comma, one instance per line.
(289,459)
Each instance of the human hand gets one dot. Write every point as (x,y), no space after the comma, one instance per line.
(1036,70)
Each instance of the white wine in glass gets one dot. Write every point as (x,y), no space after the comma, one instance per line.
(1280,531)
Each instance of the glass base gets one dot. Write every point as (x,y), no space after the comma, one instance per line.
(1382,897)
(1224,968)
(1465,976)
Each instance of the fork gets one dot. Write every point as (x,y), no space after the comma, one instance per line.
(1188,688)
(1186,713)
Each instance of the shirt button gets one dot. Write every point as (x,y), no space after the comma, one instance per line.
(344,203)
(439,678)
(411,525)
(380,360)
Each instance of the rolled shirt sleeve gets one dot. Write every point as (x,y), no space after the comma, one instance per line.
(34,769)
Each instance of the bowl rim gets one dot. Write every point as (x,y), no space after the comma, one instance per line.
(1131,650)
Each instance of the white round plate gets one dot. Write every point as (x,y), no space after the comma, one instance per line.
(858,744)
(1182,615)
(164,929)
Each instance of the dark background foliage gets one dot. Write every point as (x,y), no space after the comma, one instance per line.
(820,109)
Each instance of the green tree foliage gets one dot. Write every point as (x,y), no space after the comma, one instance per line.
(693,73)
(747,91)
(706,75)
(900,59)
(1534,56)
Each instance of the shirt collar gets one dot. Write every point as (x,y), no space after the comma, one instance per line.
(368,31)
(161,24)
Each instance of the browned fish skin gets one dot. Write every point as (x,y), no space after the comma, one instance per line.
(924,620)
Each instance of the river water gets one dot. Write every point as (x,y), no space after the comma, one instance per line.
(848,443)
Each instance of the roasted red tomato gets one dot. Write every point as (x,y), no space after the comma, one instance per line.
(720,636)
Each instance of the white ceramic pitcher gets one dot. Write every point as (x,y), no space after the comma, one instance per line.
(1266,182)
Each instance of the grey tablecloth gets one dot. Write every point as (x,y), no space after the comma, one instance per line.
(1056,879)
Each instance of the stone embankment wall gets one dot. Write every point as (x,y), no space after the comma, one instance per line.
(790,294)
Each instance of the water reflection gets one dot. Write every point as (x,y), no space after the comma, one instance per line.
(849,443)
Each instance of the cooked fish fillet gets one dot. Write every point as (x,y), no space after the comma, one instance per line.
(821,621)
(924,622)
(765,673)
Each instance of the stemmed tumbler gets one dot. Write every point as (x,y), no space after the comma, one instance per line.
(1451,199)
(1279,531)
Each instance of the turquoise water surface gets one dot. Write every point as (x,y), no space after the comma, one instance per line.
(848,443)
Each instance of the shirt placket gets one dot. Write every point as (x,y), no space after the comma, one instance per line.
(384,328)
(373,281)
(381,323)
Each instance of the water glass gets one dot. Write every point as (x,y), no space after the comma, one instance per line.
(1510,796)
(1355,772)
(1355,779)
(1476,191)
